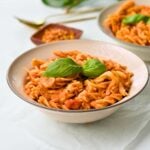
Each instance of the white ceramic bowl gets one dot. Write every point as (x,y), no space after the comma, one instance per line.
(16,74)
(142,51)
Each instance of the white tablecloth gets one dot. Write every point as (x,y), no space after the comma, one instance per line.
(23,127)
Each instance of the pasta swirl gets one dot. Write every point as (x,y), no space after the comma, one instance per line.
(77,92)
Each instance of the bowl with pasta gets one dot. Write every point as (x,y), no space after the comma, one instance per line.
(77,81)
(127,23)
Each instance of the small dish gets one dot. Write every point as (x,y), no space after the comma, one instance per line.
(16,75)
(37,38)
(142,51)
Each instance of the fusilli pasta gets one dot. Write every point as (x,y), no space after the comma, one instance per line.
(77,92)
(137,33)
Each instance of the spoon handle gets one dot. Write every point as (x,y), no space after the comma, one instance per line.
(77,20)
(76,12)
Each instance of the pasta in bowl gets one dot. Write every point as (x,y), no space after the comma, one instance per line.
(100,82)
(77,91)
(128,24)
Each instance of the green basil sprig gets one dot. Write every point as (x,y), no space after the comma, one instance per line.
(65,67)
(93,68)
(148,21)
(62,3)
(62,67)
(133,19)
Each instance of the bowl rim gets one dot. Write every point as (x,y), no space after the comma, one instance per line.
(30,101)
(102,28)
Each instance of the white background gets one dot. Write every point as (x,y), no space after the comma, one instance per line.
(23,127)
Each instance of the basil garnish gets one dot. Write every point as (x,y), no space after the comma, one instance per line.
(133,19)
(62,67)
(93,68)
(62,3)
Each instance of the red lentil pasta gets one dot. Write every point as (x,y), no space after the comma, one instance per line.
(138,33)
(56,34)
(77,92)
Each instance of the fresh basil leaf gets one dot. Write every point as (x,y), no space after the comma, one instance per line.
(62,3)
(62,67)
(133,19)
(75,3)
(93,68)
(56,3)
(148,21)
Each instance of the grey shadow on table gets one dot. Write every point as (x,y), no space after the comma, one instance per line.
(141,136)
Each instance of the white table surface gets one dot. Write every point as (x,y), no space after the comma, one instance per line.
(23,127)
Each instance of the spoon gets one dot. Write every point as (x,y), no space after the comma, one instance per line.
(40,23)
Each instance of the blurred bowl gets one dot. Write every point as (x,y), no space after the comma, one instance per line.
(36,38)
(16,75)
(142,51)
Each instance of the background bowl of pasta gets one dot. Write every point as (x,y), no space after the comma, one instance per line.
(127,23)
(82,96)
